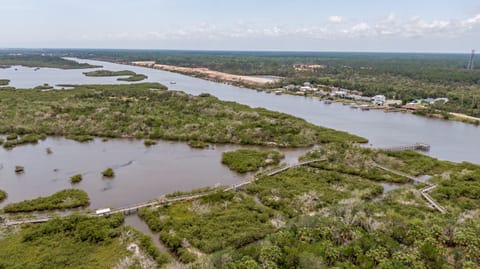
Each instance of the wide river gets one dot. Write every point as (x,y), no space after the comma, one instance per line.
(145,173)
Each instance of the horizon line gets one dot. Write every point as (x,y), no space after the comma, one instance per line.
(239,50)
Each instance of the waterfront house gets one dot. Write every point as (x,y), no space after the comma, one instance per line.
(379,100)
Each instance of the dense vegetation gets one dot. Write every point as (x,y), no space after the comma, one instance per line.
(21,140)
(130,75)
(108,173)
(396,75)
(72,242)
(250,160)
(4,82)
(108,73)
(60,200)
(3,195)
(36,60)
(137,111)
(318,216)
(212,223)
(136,77)
(76,178)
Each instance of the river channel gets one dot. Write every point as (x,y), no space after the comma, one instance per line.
(449,140)
(141,173)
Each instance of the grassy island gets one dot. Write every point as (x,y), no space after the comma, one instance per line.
(36,60)
(76,178)
(4,82)
(108,173)
(65,199)
(131,76)
(250,160)
(137,111)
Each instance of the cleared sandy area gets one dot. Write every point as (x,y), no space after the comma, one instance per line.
(210,74)
(463,116)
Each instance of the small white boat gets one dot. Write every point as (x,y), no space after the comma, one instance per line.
(173,82)
(354,106)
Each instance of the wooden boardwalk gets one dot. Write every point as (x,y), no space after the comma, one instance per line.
(280,170)
(25,221)
(131,209)
(425,191)
(274,172)
(412,178)
(430,200)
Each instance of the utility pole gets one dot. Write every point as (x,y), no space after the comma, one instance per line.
(471,62)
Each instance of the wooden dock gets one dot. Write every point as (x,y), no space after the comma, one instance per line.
(417,146)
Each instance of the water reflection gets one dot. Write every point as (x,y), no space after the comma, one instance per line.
(140,173)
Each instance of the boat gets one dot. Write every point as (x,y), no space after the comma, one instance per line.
(36,69)
(327,102)
(345,103)
(268,91)
(354,106)
(173,82)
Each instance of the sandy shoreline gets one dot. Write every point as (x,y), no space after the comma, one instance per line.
(463,116)
(209,74)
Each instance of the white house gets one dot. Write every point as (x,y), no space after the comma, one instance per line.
(379,100)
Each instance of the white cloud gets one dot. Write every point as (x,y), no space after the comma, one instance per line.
(336,19)
(390,26)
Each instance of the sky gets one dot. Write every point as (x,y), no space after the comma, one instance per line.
(276,25)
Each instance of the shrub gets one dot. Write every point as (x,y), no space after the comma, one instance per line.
(108,172)
(3,195)
(248,160)
(76,178)
(12,136)
(65,199)
(149,142)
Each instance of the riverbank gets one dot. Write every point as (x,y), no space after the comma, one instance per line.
(465,118)
(212,75)
(261,84)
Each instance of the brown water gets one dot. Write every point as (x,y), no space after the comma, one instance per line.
(141,173)
(135,221)
(453,141)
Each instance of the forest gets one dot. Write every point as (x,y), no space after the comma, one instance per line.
(148,110)
(32,59)
(405,76)
(319,217)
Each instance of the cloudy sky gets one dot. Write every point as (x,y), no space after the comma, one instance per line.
(292,25)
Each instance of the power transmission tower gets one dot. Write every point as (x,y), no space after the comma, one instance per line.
(471,62)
